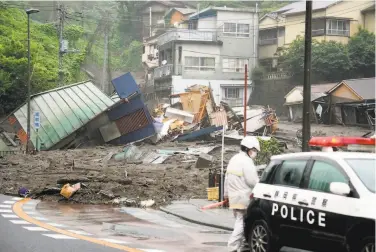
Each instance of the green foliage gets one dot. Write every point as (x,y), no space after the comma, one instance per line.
(44,58)
(332,61)
(73,33)
(131,56)
(268,148)
(362,53)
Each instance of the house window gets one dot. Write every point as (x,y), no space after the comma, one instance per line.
(234,65)
(199,64)
(232,93)
(236,30)
(338,27)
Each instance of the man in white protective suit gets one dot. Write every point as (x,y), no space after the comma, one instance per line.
(241,177)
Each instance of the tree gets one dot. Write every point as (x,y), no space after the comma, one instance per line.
(330,60)
(362,53)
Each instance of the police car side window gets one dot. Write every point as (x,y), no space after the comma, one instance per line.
(290,173)
(322,175)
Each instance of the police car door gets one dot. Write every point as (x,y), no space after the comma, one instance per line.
(282,194)
(326,212)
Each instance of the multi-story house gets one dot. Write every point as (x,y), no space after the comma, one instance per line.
(213,51)
(331,20)
(153,13)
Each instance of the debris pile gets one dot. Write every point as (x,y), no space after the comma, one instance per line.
(101,176)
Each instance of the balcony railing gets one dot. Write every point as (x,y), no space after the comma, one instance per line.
(271,41)
(186,34)
(277,76)
(338,32)
(318,32)
(234,102)
(162,71)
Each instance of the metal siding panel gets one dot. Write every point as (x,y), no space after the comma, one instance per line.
(92,108)
(125,108)
(81,106)
(70,120)
(98,93)
(132,122)
(59,117)
(74,109)
(125,85)
(93,97)
(49,122)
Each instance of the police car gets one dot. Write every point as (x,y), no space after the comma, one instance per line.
(317,201)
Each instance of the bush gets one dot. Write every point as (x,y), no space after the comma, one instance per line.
(268,148)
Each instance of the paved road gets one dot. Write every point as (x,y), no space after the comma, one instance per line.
(17,235)
(52,227)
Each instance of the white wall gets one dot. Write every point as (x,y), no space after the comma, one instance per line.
(207,24)
(201,50)
(235,17)
(179,85)
(295,96)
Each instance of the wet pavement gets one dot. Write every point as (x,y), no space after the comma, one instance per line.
(156,229)
(153,228)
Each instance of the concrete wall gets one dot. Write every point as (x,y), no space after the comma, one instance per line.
(272,93)
(207,24)
(241,47)
(369,21)
(206,50)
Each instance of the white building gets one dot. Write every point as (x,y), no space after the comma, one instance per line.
(213,50)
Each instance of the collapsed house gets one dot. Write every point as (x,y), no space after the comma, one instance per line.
(80,114)
(349,102)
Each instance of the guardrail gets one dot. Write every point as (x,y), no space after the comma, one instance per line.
(186,34)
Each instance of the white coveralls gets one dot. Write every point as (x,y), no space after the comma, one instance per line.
(241,178)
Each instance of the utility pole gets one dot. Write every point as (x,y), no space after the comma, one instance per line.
(307,78)
(105,60)
(149,21)
(61,29)
(245,98)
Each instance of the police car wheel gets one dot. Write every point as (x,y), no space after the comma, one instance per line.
(260,239)
(367,245)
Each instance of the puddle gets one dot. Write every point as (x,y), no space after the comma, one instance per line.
(95,214)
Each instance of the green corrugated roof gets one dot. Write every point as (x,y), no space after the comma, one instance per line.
(63,111)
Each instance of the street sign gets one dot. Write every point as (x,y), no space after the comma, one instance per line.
(36,119)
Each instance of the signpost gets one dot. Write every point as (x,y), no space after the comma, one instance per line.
(36,127)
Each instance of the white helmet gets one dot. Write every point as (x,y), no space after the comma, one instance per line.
(250,142)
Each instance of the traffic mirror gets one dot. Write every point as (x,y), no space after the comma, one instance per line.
(340,188)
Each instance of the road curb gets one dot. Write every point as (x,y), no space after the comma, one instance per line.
(195,221)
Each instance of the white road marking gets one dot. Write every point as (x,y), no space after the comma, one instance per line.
(40,218)
(5,206)
(10,216)
(9,202)
(19,222)
(35,229)
(56,224)
(17,198)
(5,211)
(79,232)
(59,236)
(114,241)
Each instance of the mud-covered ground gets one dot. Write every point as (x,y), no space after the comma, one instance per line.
(103,181)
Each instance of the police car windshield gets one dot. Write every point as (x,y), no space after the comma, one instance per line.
(365,169)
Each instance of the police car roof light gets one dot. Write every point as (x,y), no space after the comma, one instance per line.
(340,141)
